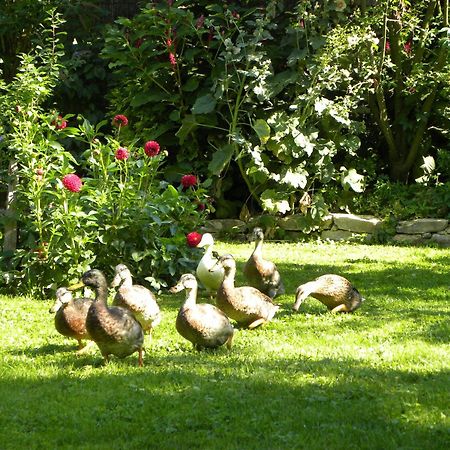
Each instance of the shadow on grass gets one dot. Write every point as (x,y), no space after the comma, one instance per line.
(222,402)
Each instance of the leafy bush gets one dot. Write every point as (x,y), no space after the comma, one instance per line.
(400,201)
(105,206)
(227,90)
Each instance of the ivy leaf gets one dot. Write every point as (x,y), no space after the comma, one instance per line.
(220,159)
(262,130)
(296,179)
(204,104)
(352,179)
(274,202)
(303,141)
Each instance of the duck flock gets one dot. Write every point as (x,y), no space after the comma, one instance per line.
(119,329)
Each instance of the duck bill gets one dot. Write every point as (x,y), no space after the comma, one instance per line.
(175,289)
(76,286)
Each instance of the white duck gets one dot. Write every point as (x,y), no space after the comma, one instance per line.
(208,271)
(138,299)
(203,324)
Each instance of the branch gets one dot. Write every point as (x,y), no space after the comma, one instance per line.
(418,55)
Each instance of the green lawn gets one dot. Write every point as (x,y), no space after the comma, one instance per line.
(375,379)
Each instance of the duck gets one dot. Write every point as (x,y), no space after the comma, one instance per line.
(248,306)
(203,324)
(114,329)
(334,291)
(138,299)
(70,315)
(261,273)
(209,273)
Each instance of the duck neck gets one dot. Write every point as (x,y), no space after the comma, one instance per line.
(127,282)
(228,279)
(208,250)
(191,298)
(258,248)
(101,294)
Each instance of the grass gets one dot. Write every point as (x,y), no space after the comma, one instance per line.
(375,379)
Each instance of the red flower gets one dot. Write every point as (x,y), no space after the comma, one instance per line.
(72,182)
(151,148)
(188,180)
(387,46)
(193,239)
(120,121)
(121,154)
(201,206)
(40,171)
(60,123)
(407,47)
(172,59)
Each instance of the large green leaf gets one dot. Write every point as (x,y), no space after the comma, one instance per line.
(188,125)
(204,104)
(262,130)
(220,159)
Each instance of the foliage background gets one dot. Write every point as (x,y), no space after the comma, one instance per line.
(312,106)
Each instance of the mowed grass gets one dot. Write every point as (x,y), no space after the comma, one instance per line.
(375,379)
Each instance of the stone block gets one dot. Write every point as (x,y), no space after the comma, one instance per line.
(412,239)
(357,224)
(443,240)
(224,226)
(418,226)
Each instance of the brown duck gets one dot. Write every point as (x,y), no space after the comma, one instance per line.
(261,273)
(138,299)
(115,330)
(70,315)
(246,305)
(201,323)
(334,291)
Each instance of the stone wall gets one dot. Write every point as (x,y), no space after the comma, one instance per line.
(342,227)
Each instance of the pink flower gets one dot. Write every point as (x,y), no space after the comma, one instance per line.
(169,43)
(40,171)
(172,59)
(387,46)
(188,180)
(60,123)
(151,148)
(121,154)
(120,121)
(408,47)
(193,239)
(200,21)
(72,182)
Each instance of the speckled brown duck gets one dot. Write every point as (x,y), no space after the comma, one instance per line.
(70,315)
(115,330)
(261,273)
(334,291)
(248,306)
(138,299)
(205,325)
